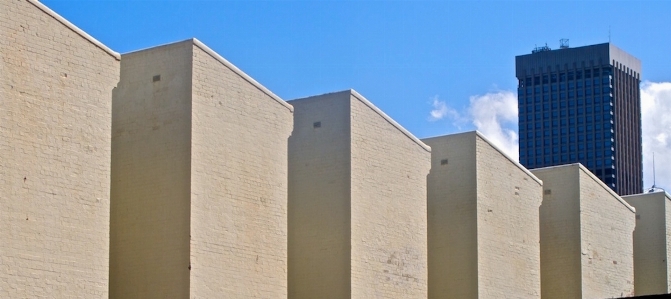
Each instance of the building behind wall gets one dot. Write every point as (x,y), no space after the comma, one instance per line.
(585,236)
(56,87)
(199,179)
(357,202)
(482,221)
(652,239)
(582,105)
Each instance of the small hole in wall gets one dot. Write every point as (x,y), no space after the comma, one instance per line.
(317,124)
(547,192)
(443,162)
(638,216)
(157,78)
(64,75)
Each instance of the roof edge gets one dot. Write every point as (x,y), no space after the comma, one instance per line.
(168,44)
(74,28)
(662,192)
(240,73)
(593,177)
(602,184)
(516,163)
(389,120)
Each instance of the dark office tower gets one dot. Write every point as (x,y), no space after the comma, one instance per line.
(582,105)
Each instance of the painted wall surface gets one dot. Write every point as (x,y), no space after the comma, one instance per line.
(357,198)
(319,198)
(388,225)
(650,243)
(508,202)
(560,233)
(56,87)
(607,225)
(594,260)
(483,221)
(239,170)
(199,179)
(452,217)
(151,163)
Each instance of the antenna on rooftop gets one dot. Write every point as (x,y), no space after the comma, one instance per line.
(541,49)
(563,43)
(654,187)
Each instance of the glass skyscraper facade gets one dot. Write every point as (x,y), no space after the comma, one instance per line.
(582,105)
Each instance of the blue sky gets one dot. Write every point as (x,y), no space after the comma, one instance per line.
(455,58)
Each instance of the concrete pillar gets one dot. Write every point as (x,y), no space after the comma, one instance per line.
(652,238)
(199,179)
(483,221)
(357,202)
(586,236)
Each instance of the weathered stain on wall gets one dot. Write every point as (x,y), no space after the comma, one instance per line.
(483,221)
(357,202)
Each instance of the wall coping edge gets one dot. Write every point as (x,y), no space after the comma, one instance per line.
(389,120)
(240,73)
(74,28)
(520,166)
(593,177)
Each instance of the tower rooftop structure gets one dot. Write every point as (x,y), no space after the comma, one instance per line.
(582,105)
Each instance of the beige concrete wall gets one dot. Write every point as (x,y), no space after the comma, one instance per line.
(560,233)
(508,202)
(151,171)
(650,243)
(357,207)
(56,87)
(199,179)
(452,217)
(319,198)
(238,184)
(586,236)
(388,207)
(607,226)
(483,221)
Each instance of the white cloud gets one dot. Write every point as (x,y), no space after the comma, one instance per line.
(441,110)
(656,127)
(495,115)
